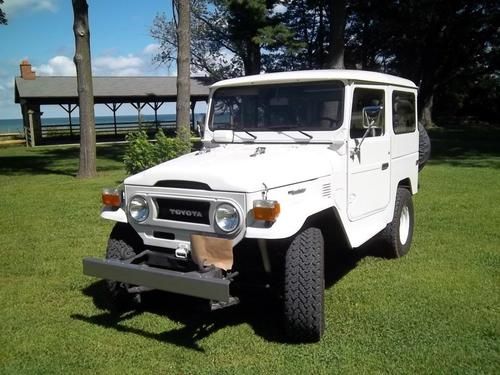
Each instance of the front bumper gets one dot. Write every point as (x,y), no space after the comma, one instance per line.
(193,283)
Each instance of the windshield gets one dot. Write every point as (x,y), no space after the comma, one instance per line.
(310,106)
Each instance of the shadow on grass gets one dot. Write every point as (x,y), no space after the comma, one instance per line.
(58,160)
(260,308)
(466,146)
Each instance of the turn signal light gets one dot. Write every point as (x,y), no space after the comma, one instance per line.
(266,210)
(112,197)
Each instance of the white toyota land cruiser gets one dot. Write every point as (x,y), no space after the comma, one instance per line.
(287,159)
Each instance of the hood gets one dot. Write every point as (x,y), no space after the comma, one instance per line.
(242,168)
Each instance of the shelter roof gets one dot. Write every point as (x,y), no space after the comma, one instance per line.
(54,90)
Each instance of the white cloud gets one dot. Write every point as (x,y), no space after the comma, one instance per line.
(57,66)
(129,65)
(151,49)
(15,6)
(118,65)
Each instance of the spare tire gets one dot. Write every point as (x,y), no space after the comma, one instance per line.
(424,147)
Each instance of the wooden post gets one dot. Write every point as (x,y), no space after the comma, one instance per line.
(193,121)
(31,128)
(114,107)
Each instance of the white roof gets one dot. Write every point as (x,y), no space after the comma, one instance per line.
(359,76)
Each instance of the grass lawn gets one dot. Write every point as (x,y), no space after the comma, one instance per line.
(435,311)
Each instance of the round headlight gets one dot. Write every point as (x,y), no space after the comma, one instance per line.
(138,208)
(227,217)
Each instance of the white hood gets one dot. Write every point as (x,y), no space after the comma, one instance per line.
(238,168)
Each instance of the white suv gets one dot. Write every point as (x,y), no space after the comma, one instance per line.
(288,158)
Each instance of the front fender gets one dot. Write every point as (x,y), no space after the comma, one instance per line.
(298,202)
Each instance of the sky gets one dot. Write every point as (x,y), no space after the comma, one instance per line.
(41,31)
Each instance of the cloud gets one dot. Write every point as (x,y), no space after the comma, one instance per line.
(151,49)
(129,65)
(57,66)
(12,7)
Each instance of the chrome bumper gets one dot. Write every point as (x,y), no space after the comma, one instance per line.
(189,283)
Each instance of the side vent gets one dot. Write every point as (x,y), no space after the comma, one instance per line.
(326,190)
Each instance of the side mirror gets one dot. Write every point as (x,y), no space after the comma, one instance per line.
(223,136)
(371,120)
(371,116)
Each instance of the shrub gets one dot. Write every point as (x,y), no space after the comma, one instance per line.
(142,154)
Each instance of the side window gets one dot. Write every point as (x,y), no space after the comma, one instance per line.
(367,113)
(403,112)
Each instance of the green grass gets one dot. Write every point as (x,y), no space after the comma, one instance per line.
(435,311)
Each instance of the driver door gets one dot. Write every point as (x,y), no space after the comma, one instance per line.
(369,165)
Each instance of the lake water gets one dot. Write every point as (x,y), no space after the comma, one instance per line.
(16,125)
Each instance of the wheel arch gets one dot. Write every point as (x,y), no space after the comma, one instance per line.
(331,226)
(406,184)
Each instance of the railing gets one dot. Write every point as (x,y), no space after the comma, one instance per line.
(104,131)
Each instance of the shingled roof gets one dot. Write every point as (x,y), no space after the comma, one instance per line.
(55,90)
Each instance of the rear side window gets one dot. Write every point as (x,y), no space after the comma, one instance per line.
(403,112)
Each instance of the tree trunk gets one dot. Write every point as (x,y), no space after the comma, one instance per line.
(426,113)
(251,62)
(182,107)
(337,28)
(85,90)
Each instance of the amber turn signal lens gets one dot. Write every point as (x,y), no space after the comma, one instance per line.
(266,210)
(112,197)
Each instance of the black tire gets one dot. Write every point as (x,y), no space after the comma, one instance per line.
(304,287)
(123,243)
(424,147)
(398,234)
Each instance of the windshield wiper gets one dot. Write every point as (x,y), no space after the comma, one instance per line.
(307,135)
(254,137)
(287,128)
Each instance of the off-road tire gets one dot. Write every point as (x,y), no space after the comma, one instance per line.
(398,234)
(123,244)
(424,147)
(304,287)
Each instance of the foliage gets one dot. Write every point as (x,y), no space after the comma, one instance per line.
(433,43)
(3,17)
(142,154)
(210,52)
(434,312)
(228,36)
(448,48)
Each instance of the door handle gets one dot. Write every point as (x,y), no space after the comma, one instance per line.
(385,166)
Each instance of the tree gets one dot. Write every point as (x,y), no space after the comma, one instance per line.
(3,17)
(210,52)
(337,17)
(87,166)
(228,36)
(436,43)
(182,107)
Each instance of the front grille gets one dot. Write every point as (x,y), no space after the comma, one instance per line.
(183,210)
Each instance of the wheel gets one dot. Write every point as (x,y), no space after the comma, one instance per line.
(399,232)
(304,287)
(123,244)
(424,147)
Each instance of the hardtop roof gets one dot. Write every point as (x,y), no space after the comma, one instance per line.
(358,76)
